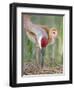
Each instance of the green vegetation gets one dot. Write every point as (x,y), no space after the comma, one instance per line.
(28,49)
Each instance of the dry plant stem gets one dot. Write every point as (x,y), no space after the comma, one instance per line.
(53,54)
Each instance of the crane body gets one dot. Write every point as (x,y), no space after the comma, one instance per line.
(40,35)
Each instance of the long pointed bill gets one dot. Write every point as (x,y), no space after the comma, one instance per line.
(37,56)
(42,56)
(44,42)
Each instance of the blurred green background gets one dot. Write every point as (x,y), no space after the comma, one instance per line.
(28,48)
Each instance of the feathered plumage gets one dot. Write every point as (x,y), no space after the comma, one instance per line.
(41,35)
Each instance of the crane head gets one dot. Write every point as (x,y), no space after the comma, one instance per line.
(44,42)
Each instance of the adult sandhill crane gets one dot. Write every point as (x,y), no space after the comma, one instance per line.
(41,35)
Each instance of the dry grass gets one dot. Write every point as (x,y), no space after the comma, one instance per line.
(32,69)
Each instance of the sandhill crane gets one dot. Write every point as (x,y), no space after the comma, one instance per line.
(41,35)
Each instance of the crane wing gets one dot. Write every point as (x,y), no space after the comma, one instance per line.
(31,36)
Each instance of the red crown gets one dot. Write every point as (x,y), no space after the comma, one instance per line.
(44,42)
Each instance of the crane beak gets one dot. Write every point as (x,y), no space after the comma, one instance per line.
(42,56)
